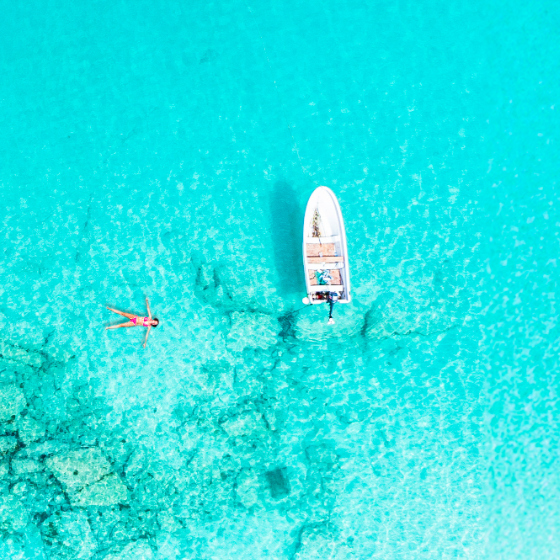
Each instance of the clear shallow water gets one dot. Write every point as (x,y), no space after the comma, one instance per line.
(169,151)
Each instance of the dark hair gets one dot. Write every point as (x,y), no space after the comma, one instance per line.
(155,319)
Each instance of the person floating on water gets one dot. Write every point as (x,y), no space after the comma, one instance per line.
(136,321)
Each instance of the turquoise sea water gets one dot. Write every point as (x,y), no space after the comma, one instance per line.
(167,150)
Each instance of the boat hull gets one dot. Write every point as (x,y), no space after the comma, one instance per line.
(325,253)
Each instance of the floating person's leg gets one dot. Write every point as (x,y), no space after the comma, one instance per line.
(127,324)
(123,313)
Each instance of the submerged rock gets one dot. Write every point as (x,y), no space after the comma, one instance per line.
(253,330)
(139,550)
(106,492)
(7,444)
(68,536)
(29,429)
(46,448)
(278,482)
(315,542)
(247,488)
(12,402)
(14,353)
(79,467)
(13,515)
(25,466)
(244,424)
(87,477)
(8,372)
(168,522)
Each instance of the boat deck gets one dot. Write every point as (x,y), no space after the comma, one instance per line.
(320,249)
(334,272)
(324,257)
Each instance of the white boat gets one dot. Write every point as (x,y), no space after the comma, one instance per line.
(325,256)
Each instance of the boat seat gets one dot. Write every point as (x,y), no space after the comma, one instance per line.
(326,288)
(325,266)
(313,250)
(317,260)
(335,274)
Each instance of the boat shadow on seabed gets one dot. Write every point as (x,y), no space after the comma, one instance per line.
(286,215)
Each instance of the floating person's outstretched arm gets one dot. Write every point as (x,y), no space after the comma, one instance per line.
(149,323)
(147,335)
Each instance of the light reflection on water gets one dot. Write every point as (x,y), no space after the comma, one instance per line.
(160,162)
